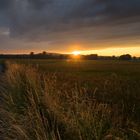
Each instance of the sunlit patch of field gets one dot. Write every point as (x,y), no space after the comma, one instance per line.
(70,100)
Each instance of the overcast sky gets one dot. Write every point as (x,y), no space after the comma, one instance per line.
(67,25)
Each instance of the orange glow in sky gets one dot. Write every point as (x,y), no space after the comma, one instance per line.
(135,51)
(77,50)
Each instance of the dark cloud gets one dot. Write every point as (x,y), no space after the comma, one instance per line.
(125,8)
(38,20)
(4,4)
(53,15)
(39,4)
(48,11)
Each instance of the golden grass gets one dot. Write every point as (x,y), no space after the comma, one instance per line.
(37,106)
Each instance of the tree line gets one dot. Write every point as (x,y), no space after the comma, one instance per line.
(46,55)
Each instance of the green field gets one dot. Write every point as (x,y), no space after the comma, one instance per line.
(87,67)
(71,100)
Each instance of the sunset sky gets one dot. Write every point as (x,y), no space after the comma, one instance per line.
(106,27)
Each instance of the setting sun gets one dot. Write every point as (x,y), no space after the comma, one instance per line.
(76,53)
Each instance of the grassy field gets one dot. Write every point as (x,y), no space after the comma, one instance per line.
(87,67)
(70,100)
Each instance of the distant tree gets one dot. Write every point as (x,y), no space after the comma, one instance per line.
(44,52)
(114,57)
(134,58)
(125,57)
(92,56)
(31,53)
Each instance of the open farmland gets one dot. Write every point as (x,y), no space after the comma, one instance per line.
(70,100)
(86,67)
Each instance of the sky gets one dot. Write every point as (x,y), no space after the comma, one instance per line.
(106,27)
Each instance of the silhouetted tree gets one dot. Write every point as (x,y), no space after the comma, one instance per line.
(44,53)
(113,57)
(125,57)
(31,53)
(91,56)
(134,58)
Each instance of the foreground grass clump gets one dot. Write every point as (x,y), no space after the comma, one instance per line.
(39,106)
(25,116)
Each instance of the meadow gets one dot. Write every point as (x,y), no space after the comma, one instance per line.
(70,100)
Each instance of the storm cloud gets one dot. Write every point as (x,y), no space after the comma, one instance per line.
(70,20)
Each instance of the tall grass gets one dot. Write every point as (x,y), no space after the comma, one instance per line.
(39,106)
(27,116)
